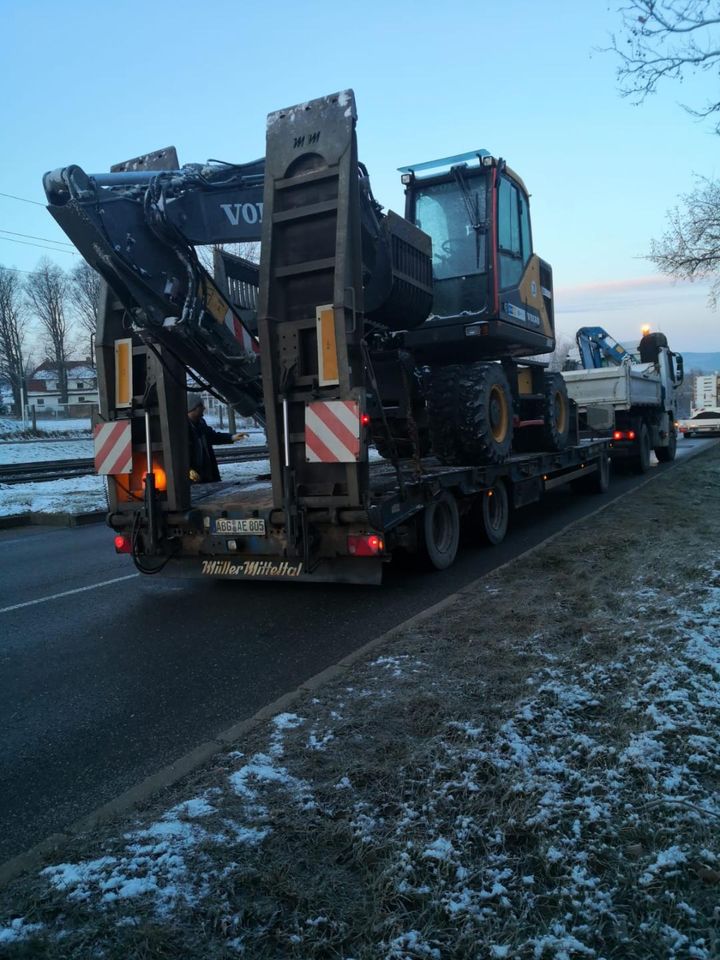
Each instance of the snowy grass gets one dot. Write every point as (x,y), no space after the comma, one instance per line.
(49,451)
(75,495)
(530,774)
(87,494)
(11,429)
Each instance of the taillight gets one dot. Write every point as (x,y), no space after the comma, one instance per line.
(123,544)
(160,477)
(631,434)
(617,435)
(368,545)
(365,419)
(624,435)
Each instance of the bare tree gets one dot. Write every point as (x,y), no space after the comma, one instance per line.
(558,358)
(47,293)
(667,40)
(84,292)
(248,251)
(13,327)
(690,247)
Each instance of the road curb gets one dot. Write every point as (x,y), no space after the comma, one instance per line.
(18,520)
(174,772)
(52,519)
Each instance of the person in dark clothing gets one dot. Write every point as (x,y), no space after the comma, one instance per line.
(201,437)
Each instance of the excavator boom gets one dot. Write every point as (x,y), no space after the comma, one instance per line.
(138,227)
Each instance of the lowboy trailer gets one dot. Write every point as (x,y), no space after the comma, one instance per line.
(233,530)
(360,329)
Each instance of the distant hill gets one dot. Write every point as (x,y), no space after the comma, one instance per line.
(707,362)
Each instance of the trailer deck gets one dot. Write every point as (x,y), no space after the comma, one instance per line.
(234,531)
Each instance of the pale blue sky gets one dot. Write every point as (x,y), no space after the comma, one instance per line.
(95,83)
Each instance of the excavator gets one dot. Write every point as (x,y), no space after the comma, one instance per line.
(486,296)
(428,324)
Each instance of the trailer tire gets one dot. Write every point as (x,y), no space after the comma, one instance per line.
(439,529)
(470,414)
(667,454)
(598,481)
(642,462)
(493,513)
(556,412)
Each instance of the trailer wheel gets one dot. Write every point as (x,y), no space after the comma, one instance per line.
(470,413)
(598,481)
(667,454)
(642,462)
(440,532)
(556,412)
(493,512)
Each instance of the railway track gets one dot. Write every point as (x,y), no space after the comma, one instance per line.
(65,469)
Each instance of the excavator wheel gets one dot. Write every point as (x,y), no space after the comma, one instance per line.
(470,414)
(556,413)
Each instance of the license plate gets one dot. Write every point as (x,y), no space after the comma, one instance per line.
(248,527)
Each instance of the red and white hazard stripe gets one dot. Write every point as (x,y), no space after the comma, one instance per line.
(241,332)
(332,431)
(113,448)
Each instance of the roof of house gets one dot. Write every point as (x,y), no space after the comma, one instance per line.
(80,369)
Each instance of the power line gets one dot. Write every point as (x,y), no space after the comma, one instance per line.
(30,236)
(23,199)
(27,243)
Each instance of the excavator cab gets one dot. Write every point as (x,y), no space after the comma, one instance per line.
(492,296)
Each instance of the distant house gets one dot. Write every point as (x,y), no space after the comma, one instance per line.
(43,389)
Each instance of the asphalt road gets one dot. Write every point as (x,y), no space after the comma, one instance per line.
(103,686)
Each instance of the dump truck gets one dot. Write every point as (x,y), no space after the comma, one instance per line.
(360,328)
(632,399)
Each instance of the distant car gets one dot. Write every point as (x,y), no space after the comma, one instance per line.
(704,423)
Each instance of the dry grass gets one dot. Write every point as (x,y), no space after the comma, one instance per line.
(530,774)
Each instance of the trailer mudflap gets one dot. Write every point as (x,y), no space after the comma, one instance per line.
(357,570)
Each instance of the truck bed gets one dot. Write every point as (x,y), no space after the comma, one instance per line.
(618,387)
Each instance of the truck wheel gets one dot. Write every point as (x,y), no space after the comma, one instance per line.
(598,481)
(493,511)
(642,462)
(470,414)
(667,454)
(556,412)
(440,532)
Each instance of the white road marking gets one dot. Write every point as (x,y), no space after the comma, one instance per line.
(68,593)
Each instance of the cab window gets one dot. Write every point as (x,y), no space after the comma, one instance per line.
(510,248)
(525,227)
(442,211)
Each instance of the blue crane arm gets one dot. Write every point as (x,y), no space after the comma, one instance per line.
(597,348)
